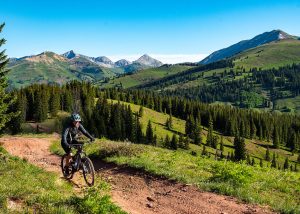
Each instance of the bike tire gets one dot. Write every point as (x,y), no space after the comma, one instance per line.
(66,175)
(88,171)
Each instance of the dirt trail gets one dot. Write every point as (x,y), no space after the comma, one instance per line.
(134,191)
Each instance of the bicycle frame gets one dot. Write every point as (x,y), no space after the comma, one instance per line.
(78,156)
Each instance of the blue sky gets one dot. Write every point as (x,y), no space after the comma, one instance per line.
(180,30)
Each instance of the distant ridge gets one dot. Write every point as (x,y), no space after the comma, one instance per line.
(267,37)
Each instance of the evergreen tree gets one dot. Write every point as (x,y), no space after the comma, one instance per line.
(248,159)
(54,102)
(41,103)
(221,144)
(5,98)
(167,142)
(204,152)
(186,143)
(267,157)
(286,164)
(139,133)
(275,138)
(141,111)
(149,133)
(215,142)
(169,123)
(174,142)
(274,164)
(19,107)
(239,148)
(197,132)
(210,137)
(228,156)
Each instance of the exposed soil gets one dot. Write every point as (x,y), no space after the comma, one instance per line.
(134,191)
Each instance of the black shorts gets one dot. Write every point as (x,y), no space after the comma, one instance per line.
(66,148)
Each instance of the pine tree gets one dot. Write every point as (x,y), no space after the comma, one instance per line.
(222,144)
(167,142)
(215,142)
(268,158)
(239,148)
(275,138)
(197,132)
(41,104)
(19,107)
(181,141)
(248,159)
(139,133)
(141,111)
(174,142)
(154,143)
(210,138)
(54,102)
(6,100)
(186,143)
(228,156)
(204,152)
(286,164)
(274,164)
(149,133)
(169,123)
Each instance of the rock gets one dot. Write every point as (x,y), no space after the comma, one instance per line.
(150,199)
(150,205)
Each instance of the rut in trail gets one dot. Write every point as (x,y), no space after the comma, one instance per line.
(134,191)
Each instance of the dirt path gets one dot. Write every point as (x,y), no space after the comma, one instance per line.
(134,191)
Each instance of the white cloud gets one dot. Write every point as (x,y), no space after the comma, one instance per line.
(164,58)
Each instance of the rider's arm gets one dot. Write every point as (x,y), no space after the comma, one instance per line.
(85,132)
(64,136)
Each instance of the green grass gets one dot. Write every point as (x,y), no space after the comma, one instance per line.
(25,188)
(270,55)
(291,105)
(158,121)
(255,148)
(144,76)
(260,185)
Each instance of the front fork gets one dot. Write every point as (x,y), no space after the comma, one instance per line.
(77,162)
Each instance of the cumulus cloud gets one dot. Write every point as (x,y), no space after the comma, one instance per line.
(164,58)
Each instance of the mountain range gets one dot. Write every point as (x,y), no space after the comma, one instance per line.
(269,49)
(48,67)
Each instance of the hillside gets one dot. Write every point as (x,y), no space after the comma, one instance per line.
(264,38)
(240,83)
(271,55)
(255,148)
(142,77)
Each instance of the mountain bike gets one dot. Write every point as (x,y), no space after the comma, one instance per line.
(80,161)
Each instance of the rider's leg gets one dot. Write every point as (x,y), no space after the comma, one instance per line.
(67,149)
(69,159)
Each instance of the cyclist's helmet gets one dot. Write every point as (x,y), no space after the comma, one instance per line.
(75,117)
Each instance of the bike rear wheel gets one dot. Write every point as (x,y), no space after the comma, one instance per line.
(66,170)
(88,171)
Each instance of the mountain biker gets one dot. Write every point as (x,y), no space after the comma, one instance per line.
(70,135)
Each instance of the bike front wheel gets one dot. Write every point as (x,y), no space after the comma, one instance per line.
(66,170)
(88,171)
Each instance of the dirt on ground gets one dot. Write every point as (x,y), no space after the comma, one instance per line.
(134,191)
